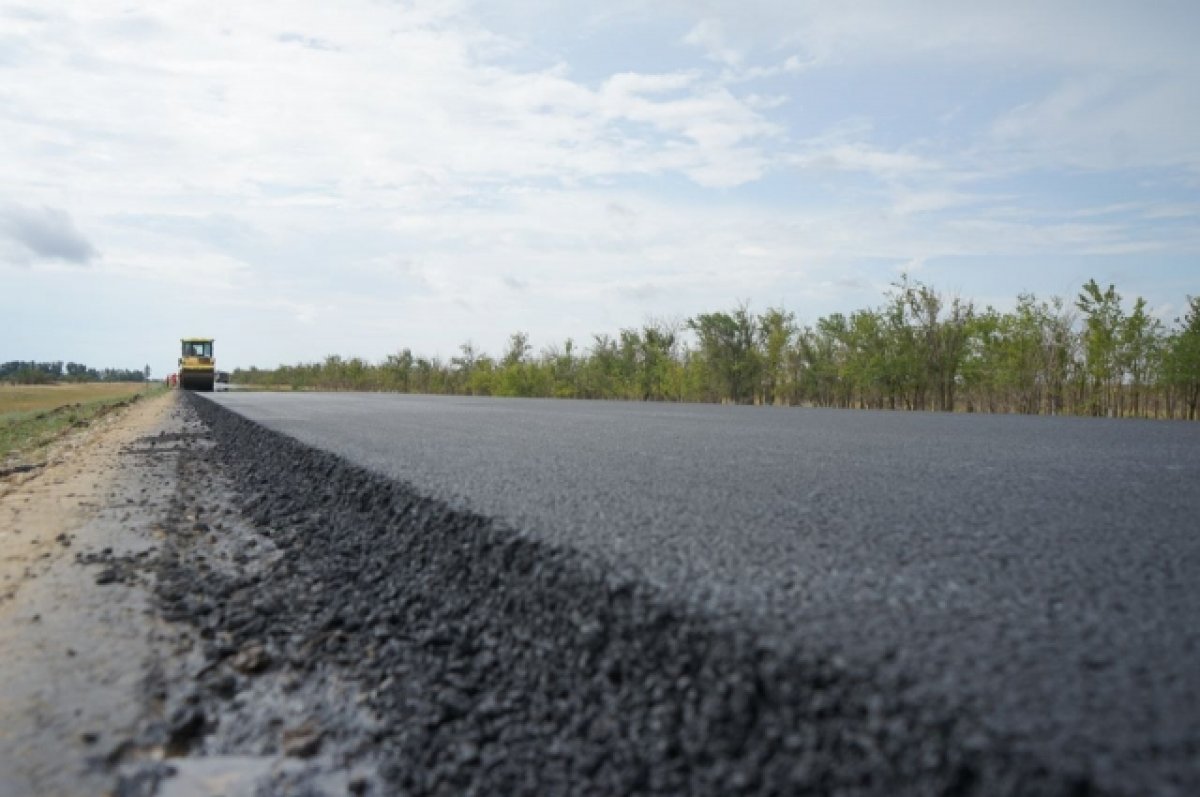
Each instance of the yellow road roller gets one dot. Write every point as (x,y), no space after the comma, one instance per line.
(197,367)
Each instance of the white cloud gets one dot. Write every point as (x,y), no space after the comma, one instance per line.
(709,35)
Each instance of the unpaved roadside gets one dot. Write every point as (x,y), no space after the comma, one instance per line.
(40,505)
(77,640)
(111,681)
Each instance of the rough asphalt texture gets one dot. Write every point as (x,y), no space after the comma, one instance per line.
(542,597)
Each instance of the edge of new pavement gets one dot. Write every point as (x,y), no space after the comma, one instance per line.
(482,660)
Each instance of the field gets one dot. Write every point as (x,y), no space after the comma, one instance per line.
(33,415)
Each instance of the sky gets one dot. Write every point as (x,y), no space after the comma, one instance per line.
(298,179)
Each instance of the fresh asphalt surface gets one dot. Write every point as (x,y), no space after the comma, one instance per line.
(1041,574)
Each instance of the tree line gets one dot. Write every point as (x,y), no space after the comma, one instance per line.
(36,373)
(919,350)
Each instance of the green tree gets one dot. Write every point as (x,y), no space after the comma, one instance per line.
(1101,336)
(516,377)
(776,331)
(564,369)
(464,367)
(821,355)
(398,370)
(1182,359)
(656,354)
(1140,353)
(729,353)
(937,342)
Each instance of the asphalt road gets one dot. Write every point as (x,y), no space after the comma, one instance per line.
(1040,574)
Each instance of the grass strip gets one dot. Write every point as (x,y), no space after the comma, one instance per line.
(24,432)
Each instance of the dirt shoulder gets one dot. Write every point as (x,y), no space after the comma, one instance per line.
(113,678)
(77,639)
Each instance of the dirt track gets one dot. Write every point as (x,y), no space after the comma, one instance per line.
(92,675)
(100,688)
(76,652)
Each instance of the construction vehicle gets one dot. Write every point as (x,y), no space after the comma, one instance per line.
(197,368)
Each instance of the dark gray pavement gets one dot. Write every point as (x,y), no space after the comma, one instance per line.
(1041,574)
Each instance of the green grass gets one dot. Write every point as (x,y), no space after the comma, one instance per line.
(32,417)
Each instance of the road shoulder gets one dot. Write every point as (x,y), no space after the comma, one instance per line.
(80,637)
